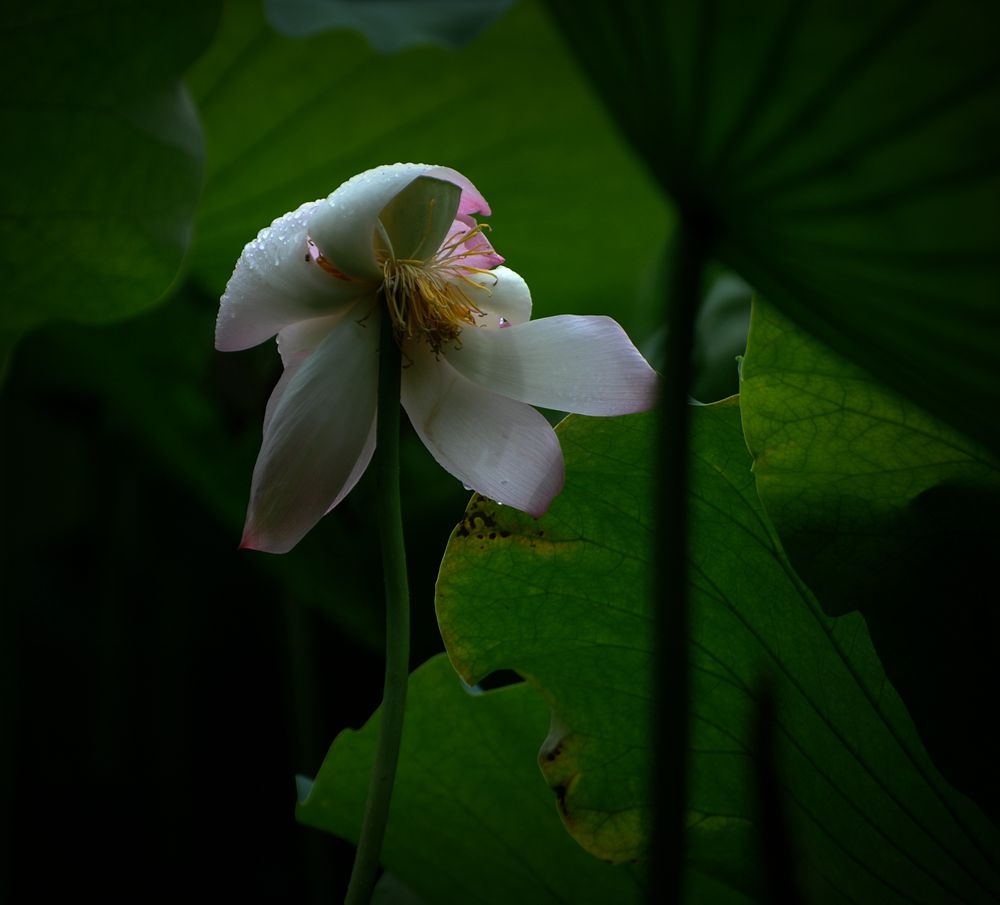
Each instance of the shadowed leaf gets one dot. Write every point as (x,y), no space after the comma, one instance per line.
(472,820)
(101,163)
(845,158)
(389,24)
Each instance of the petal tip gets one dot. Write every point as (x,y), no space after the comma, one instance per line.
(254,541)
(250,541)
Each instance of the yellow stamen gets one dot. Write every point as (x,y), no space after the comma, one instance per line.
(430,299)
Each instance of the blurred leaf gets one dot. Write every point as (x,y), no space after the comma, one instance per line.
(845,157)
(887,510)
(564,600)
(720,338)
(289,120)
(471,818)
(389,24)
(101,163)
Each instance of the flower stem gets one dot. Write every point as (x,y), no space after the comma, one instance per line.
(672,682)
(397,629)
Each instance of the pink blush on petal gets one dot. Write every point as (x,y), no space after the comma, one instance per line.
(474,252)
(471,202)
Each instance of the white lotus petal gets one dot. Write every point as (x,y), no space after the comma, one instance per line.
(503,449)
(317,434)
(586,365)
(343,226)
(504,298)
(274,285)
(361,466)
(296,342)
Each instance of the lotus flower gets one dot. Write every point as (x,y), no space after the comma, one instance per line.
(401,242)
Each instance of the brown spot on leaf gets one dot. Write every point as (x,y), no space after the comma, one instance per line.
(477,521)
(561,791)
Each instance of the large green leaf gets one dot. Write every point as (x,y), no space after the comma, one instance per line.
(884,509)
(844,157)
(388,24)
(101,161)
(288,120)
(564,600)
(472,820)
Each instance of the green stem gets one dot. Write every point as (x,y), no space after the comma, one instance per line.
(671,716)
(397,629)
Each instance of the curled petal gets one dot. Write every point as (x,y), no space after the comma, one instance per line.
(316,436)
(586,365)
(472,201)
(417,219)
(503,449)
(504,299)
(344,225)
(274,284)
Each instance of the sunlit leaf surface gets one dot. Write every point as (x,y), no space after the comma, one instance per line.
(884,509)
(564,600)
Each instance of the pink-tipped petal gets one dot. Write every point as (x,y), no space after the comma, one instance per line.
(472,200)
(274,285)
(317,433)
(503,449)
(504,299)
(344,225)
(586,365)
(470,247)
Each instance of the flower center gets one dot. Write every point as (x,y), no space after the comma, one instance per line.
(430,299)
